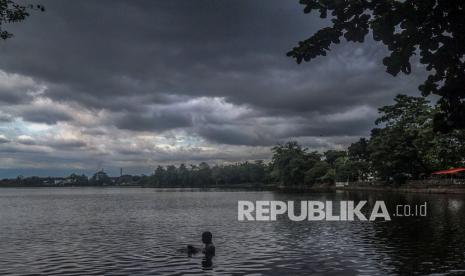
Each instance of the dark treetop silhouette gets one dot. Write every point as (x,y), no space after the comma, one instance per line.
(432,28)
(11,12)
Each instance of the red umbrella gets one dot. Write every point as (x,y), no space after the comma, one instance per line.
(450,171)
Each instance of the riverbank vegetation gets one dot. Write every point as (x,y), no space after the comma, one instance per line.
(402,146)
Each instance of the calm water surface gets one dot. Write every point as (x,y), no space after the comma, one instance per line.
(91,231)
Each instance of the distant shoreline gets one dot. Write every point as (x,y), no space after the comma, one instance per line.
(232,186)
(451,189)
(427,189)
(423,190)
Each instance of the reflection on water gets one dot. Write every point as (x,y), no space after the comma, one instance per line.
(90,231)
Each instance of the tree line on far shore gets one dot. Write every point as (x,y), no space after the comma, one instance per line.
(402,146)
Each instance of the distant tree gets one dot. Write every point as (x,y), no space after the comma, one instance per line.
(359,158)
(183,175)
(319,172)
(11,12)
(358,151)
(240,173)
(257,172)
(290,162)
(159,176)
(449,150)
(329,177)
(345,169)
(218,175)
(100,178)
(434,29)
(201,175)
(332,155)
(405,145)
(171,176)
(407,112)
(80,180)
(396,149)
(32,181)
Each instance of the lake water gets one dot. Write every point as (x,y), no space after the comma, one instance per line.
(131,231)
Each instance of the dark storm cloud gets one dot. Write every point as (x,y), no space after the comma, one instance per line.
(66,145)
(150,47)
(211,69)
(21,150)
(153,122)
(254,131)
(236,135)
(104,54)
(331,127)
(34,156)
(45,115)
(13,97)
(116,48)
(193,154)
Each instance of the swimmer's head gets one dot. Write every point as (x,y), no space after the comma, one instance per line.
(207,237)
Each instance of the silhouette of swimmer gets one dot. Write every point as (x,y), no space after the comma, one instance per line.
(208,250)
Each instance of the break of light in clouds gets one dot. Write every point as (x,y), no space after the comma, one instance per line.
(135,84)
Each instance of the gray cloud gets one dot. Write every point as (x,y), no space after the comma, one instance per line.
(197,75)
(153,122)
(14,97)
(45,115)
(59,144)
(5,118)
(236,135)
(67,145)
(26,140)
(3,139)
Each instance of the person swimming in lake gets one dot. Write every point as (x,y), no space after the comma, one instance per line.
(208,250)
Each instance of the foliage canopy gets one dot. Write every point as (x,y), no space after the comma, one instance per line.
(431,28)
(11,12)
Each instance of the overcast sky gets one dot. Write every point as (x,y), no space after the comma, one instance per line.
(134,84)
